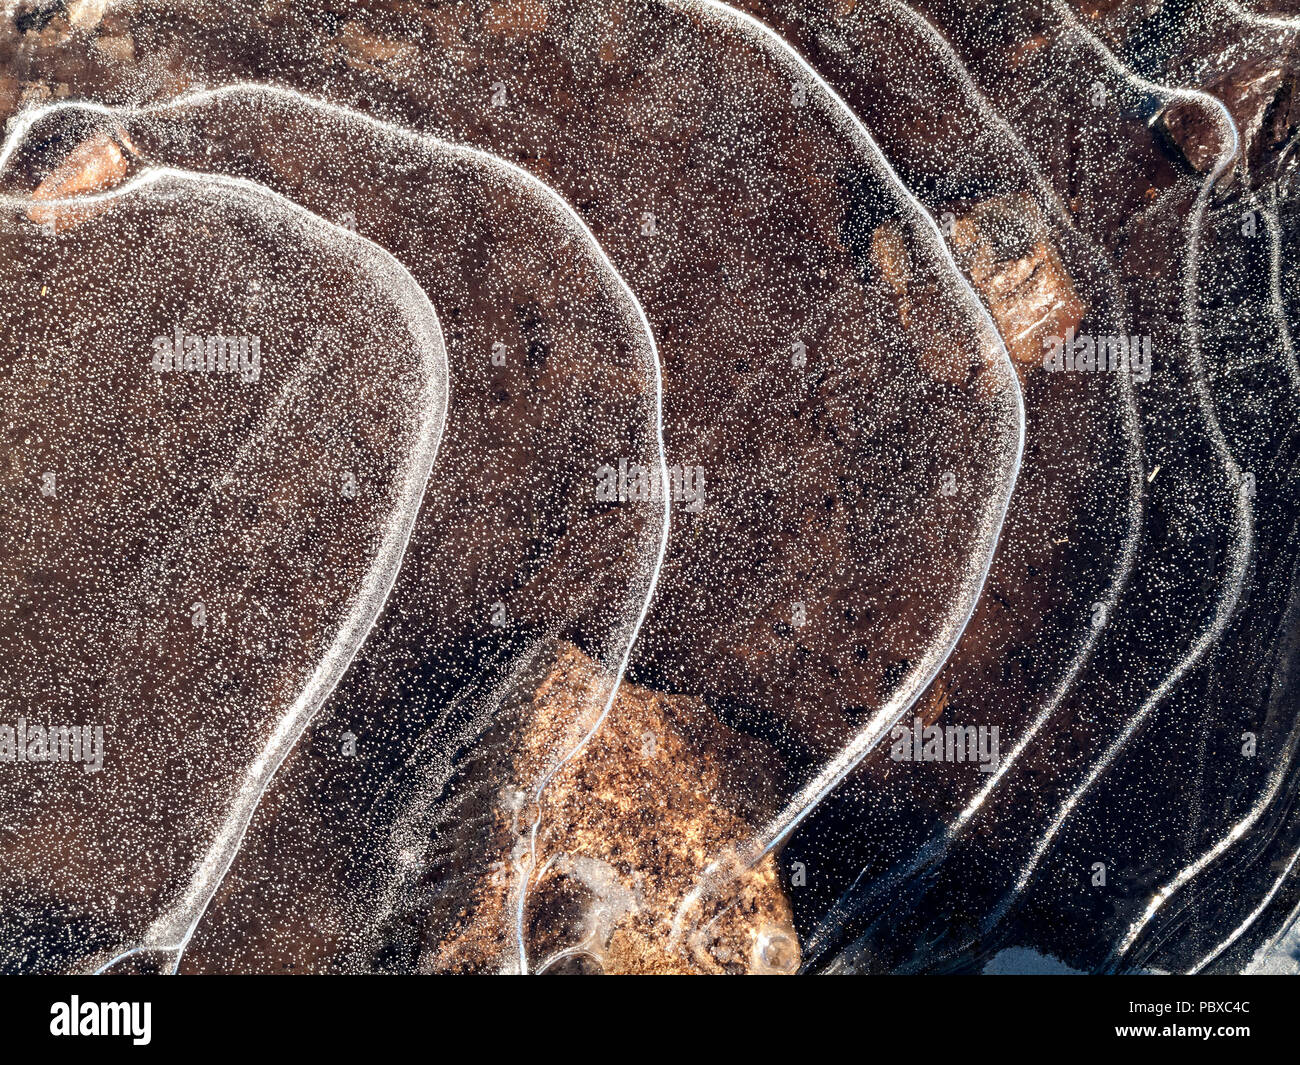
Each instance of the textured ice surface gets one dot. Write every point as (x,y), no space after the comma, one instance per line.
(765,449)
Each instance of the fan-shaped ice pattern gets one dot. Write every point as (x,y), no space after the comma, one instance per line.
(513,547)
(821,378)
(190,572)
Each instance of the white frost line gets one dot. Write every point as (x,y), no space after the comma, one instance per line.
(1244,529)
(1277,775)
(1135,515)
(172,930)
(367,605)
(843,763)
(940,842)
(1251,918)
(1276,778)
(165,950)
(1291,24)
(1289,930)
(526,877)
(1272,221)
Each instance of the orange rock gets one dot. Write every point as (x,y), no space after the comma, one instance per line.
(628,827)
(1021,278)
(95,165)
